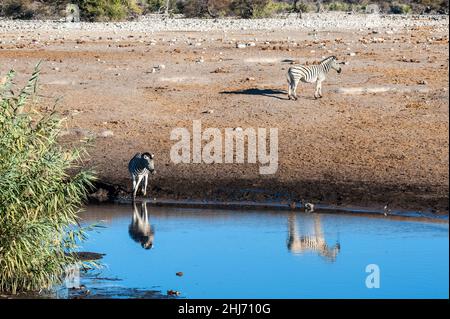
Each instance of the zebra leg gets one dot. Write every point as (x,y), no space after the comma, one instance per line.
(316,91)
(294,88)
(144,185)
(289,80)
(137,185)
(144,208)
(320,89)
(134,185)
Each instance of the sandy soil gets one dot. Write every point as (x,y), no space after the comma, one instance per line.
(364,149)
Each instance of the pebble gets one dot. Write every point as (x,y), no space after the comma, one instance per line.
(173,292)
(106,133)
(313,21)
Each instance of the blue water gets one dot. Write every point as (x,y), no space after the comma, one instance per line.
(246,254)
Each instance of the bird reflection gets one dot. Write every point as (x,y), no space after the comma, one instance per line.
(315,241)
(140,229)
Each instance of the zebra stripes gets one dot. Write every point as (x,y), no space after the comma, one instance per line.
(140,229)
(315,242)
(139,167)
(309,74)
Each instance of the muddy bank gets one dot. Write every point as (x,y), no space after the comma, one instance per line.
(431,199)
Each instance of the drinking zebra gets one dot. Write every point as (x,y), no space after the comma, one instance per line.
(139,167)
(311,73)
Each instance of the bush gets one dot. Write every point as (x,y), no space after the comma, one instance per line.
(17,9)
(108,10)
(302,7)
(250,8)
(218,8)
(397,8)
(193,8)
(339,6)
(39,200)
(153,5)
(273,8)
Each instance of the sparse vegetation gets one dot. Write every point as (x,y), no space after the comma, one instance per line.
(39,199)
(399,8)
(116,10)
(108,10)
(17,9)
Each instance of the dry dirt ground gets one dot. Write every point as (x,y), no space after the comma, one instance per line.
(365,149)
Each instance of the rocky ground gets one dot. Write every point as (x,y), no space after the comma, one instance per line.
(379,135)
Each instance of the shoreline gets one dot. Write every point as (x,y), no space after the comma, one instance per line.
(409,206)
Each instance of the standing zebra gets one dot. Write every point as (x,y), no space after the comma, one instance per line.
(309,74)
(139,167)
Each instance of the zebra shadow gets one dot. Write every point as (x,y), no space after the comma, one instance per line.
(140,229)
(255,91)
(312,242)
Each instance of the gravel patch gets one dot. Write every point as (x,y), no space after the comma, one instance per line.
(314,21)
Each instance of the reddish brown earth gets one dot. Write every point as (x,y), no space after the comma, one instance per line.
(347,149)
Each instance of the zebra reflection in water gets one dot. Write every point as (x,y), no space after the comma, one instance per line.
(140,229)
(314,241)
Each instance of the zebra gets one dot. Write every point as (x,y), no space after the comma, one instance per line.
(311,73)
(298,243)
(140,229)
(139,167)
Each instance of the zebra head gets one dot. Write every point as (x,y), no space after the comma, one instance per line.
(150,163)
(333,63)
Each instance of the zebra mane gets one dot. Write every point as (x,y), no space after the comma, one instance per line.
(332,57)
(147,154)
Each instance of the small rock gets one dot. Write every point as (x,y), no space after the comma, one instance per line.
(173,292)
(220,70)
(106,133)
(100,196)
(240,46)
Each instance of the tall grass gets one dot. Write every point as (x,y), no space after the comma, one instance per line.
(39,199)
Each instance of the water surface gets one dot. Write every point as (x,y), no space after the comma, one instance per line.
(264,254)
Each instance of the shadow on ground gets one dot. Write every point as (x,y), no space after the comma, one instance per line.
(256,91)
